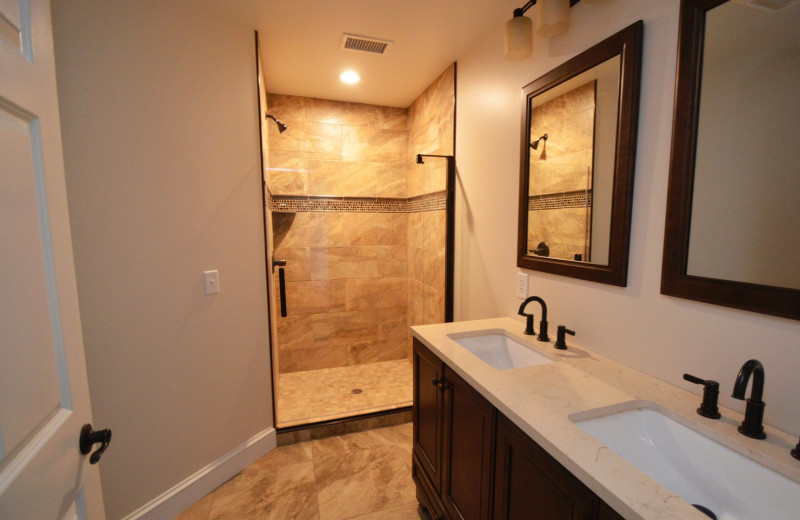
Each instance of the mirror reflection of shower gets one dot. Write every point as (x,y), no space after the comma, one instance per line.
(535,144)
(282,127)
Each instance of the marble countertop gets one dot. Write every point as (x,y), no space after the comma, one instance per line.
(541,399)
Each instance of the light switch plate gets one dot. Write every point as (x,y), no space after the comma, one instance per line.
(522,286)
(211,281)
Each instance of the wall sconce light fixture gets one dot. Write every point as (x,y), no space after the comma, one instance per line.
(552,19)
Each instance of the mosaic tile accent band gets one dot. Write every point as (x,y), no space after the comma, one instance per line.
(295,204)
(570,199)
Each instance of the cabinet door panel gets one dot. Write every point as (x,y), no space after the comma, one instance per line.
(428,412)
(468,428)
(531,485)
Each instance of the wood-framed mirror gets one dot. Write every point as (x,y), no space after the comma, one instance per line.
(731,235)
(577,156)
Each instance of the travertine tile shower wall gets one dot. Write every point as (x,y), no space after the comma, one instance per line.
(365,254)
(560,186)
(431,130)
(347,270)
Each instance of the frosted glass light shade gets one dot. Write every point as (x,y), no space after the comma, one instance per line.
(519,38)
(552,17)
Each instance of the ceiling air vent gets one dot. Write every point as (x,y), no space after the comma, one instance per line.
(353,42)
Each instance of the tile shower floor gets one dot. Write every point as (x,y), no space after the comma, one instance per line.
(364,476)
(332,393)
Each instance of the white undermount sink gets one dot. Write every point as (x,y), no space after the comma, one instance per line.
(499,350)
(696,468)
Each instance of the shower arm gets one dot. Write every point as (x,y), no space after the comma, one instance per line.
(421,155)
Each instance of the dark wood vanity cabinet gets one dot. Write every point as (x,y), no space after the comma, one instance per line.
(472,463)
(453,442)
(530,484)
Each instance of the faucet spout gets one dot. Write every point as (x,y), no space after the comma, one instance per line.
(542,324)
(756,369)
(752,425)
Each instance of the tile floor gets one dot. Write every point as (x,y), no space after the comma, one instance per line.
(324,394)
(364,476)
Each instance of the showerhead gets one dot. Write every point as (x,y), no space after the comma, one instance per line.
(535,144)
(281,126)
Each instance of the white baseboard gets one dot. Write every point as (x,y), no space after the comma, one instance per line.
(178,498)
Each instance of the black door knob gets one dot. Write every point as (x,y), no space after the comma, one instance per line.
(89,438)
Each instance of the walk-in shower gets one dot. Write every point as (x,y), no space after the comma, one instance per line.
(359,247)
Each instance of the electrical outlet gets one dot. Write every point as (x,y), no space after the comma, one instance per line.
(211,282)
(522,286)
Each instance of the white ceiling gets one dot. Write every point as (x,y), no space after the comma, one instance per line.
(300,41)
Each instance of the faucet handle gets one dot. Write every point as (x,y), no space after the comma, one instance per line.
(561,338)
(708,408)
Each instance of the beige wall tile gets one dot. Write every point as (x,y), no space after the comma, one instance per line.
(340,179)
(369,229)
(374,143)
(416,263)
(298,263)
(335,263)
(415,303)
(287,173)
(307,137)
(315,296)
(338,328)
(376,293)
(416,236)
(434,269)
(375,351)
(306,229)
(287,108)
(415,175)
(288,183)
(301,360)
(433,305)
(434,175)
(434,225)
(392,118)
(393,323)
(390,179)
(294,332)
(392,260)
(431,124)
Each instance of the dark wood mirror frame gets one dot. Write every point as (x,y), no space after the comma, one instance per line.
(628,45)
(675,280)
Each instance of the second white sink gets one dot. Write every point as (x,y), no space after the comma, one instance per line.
(499,350)
(696,468)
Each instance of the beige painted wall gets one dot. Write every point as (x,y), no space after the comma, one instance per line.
(159,117)
(660,335)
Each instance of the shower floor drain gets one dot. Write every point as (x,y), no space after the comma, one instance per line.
(356,391)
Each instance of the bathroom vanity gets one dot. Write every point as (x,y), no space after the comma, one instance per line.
(459,436)
(518,438)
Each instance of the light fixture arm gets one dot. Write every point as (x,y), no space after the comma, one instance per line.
(521,10)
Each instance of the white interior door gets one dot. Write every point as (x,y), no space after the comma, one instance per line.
(44,399)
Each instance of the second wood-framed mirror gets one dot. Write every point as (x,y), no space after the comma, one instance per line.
(731,235)
(577,155)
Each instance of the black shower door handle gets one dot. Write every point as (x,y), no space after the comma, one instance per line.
(282,283)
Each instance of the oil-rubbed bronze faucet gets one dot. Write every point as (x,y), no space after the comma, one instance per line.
(529,324)
(708,408)
(752,425)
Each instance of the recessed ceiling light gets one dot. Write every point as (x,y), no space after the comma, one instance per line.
(350,77)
